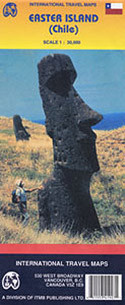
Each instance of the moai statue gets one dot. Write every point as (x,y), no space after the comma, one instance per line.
(19,130)
(65,201)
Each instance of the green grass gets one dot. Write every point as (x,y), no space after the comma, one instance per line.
(29,174)
(3,142)
(8,132)
(33,162)
(8,153)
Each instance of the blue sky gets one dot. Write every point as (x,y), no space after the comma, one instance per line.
(100,81)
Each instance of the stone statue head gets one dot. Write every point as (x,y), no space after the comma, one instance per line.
(68,117)
(19,129)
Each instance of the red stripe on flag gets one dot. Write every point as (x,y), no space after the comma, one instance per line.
(113,11)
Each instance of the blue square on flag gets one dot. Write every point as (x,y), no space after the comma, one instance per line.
(114,8)
(108,5)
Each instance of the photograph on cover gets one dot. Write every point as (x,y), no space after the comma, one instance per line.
(62,128)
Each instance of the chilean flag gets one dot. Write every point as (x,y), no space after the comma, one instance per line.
(114,8)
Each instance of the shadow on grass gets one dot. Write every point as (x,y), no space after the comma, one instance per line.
(113,229)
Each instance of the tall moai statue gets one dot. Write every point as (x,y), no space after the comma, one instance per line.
(19,129)
(65,201)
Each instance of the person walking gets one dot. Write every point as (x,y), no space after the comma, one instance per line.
(21,199)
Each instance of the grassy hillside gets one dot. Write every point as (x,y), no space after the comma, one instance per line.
(33,161)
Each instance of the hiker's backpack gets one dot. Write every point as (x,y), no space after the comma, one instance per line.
(14,197)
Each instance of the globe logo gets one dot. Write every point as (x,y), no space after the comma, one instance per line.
(11,280)
(10,9)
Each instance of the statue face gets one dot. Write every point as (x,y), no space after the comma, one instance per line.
(17,120)
(68,118)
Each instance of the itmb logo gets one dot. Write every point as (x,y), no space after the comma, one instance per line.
(11,280)
(10,9)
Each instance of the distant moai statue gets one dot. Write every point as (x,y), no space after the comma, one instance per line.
(65,201)
(19,129)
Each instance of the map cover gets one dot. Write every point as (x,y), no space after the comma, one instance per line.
(62,136)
